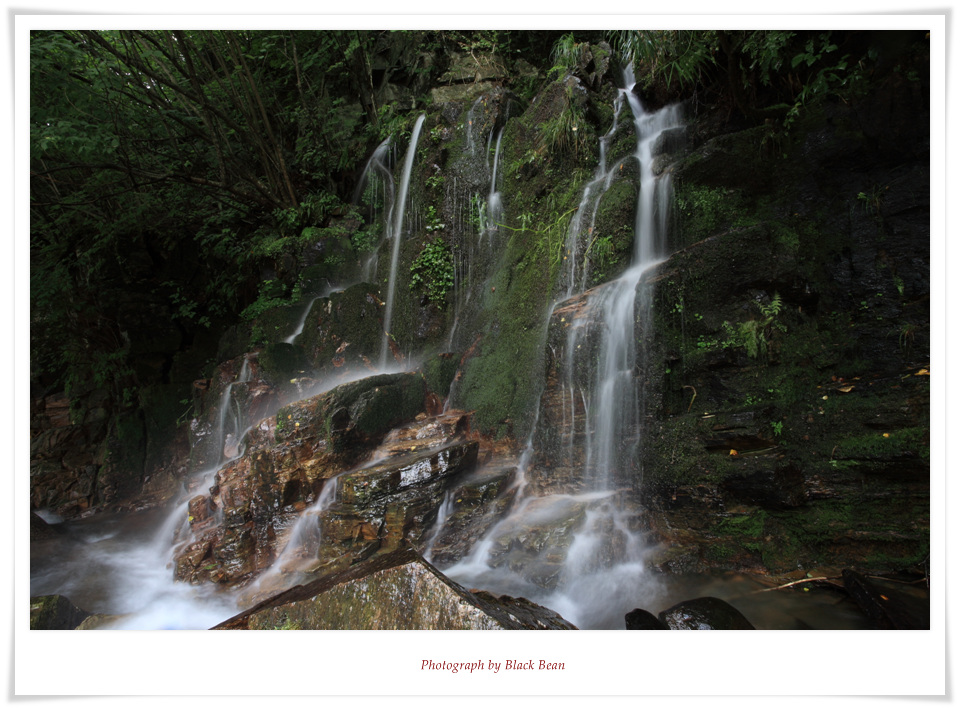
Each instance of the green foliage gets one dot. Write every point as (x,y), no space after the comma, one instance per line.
(705,210)
(271,296)
(754,335)
(432,219)
(432,271)
(768,73)
(681,56)
(567,55)
(566,132)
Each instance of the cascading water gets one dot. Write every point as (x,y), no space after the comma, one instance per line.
(494,208)
(582,225)
(377,175)
(602,561)
(130,564)
(397,237)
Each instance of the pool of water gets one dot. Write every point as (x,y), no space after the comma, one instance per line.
(116,565)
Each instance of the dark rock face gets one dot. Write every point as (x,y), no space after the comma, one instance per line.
(343,333)
(398,590)
(643,620)
(706,613)
(65,457)
(788,385)
(55,613)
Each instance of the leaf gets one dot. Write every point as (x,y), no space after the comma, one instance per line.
(845,389)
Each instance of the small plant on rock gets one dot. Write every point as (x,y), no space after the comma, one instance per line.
(432,271)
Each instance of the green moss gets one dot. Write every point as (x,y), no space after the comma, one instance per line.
(281,361)
(502,382)
(610,249)
(913,441)
(439,371)
(744,526)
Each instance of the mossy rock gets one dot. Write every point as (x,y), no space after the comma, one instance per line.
(281,361)
(439,372)
(343,330)
(274,325)
(55,612)
(354,414)
(611,246)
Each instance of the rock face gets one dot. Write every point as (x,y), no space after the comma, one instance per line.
(788,385)
(399,590)
(328,482)
(342,332)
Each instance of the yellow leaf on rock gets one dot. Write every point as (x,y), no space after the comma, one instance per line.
(733,452)
(924,371)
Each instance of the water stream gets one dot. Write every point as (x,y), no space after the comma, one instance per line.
(397,237)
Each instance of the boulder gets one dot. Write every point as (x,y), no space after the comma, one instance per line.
(643,620)
(705,613)
(55,612)
(398,590)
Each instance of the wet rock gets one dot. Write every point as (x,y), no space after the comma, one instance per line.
(439,372)
(771,486)
(55,612)
(353,416)
(886,606)
(476,504)
(342,334)
(643,620)
(236,398)
(386,481)
(705,613)
(388,484)
(399,590)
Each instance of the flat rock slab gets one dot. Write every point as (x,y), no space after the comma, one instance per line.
(398,590)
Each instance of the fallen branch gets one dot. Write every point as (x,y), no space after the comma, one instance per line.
(799,581)
(691,387)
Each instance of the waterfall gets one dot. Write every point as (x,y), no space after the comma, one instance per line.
(494,208)
(376,171)
(397,237)
(601,572)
